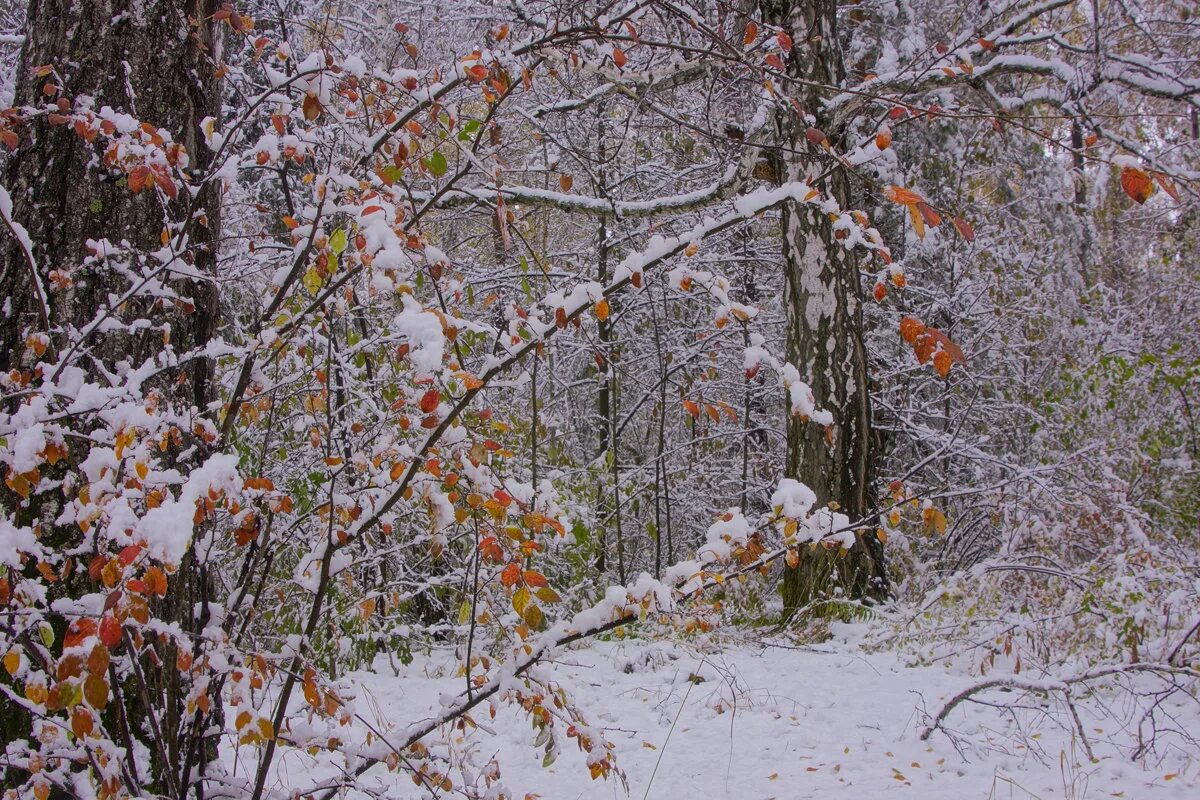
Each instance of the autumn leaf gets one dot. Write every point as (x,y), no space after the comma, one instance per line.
(1137,184)
(1168,186)
(110,631)
(692,408)
(751,34)
(917,219)
(602,309)
(964,229)
(511,574)
(156,581)
(139,178)
(311,107)
(942,363)
(618,57)
(430,400)
(905,197)
(82,723)
(367,607)
(911,328)
(931,217)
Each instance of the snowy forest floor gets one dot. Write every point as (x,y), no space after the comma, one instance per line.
(773,719)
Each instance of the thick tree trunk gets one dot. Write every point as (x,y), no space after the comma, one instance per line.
(823,297)
(154,61)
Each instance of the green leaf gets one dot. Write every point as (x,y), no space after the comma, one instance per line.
(436,163)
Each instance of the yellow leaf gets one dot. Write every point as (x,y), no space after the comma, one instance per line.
(367,607)
(918,223)
(602,309)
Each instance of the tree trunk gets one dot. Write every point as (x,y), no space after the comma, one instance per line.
(823,297)
(155,62)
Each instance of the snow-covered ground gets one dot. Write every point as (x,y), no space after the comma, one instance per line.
(769,721)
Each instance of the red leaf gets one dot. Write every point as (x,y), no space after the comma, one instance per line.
(110,631)
(931,217)
(78,632)
(430,401)
(964,229)
(1168,186)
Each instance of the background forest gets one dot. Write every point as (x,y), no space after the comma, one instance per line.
(342,336)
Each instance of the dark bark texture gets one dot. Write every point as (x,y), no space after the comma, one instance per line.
(154,61)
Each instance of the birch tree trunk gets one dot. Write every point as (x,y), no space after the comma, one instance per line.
(823,297)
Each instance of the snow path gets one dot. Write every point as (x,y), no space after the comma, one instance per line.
(774,722)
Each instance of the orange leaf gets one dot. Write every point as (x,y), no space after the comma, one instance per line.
(618,57)
(905,197)
(78,632)
(535,579)
(751,34)
(1137,184)
(156,581)
(911,328)
(602,309)
(139,178)
(691,408)
(942,363)
(510,575)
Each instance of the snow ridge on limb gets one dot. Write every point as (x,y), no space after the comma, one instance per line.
(657,250)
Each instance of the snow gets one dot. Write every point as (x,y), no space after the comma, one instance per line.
(167,529)
(752,719)
(423,330)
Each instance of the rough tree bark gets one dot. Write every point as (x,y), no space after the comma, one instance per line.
(823,296)
(153,60)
